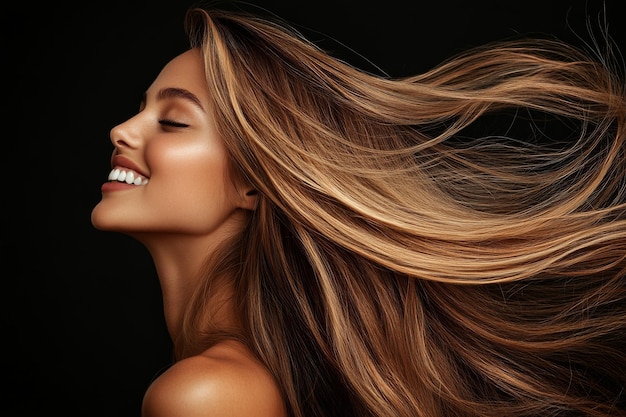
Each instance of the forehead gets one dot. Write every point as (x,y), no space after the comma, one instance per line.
(185,71)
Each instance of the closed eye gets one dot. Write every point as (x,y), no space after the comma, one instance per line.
(172,123)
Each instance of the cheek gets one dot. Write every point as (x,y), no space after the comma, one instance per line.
(188,183)
(199,166)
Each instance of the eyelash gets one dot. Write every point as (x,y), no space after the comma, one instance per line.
(172,123)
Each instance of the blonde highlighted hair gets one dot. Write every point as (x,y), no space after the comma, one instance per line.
(447,244)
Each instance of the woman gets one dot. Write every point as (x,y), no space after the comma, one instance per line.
(334,243)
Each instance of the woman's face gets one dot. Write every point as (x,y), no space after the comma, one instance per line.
(169,167)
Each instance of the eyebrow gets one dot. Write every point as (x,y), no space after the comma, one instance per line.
(171,92)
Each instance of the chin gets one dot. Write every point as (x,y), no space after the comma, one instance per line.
(102,219)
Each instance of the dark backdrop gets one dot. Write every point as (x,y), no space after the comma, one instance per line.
(83,331)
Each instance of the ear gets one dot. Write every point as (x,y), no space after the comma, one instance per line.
(249,199)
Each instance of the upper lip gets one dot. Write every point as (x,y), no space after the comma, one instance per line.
(124,162)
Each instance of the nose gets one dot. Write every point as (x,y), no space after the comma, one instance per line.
(126,134)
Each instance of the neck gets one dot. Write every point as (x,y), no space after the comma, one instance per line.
(180,259)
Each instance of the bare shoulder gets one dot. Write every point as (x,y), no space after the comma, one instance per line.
(225,380)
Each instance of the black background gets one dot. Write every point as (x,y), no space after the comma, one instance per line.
(83,331)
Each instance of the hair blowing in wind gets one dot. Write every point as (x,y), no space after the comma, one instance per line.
(447,244)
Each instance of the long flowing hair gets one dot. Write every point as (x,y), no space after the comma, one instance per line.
(446,244)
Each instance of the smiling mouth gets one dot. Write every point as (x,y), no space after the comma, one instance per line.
(127,176)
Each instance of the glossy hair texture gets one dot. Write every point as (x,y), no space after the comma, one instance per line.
(447,244)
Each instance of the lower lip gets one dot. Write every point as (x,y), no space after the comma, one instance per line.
(116,186)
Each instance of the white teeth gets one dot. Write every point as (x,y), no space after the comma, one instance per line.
(129,177)
(114,174)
